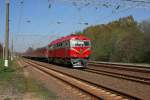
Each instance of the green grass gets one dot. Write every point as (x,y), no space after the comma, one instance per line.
(40,90)
(1,62)
(5,73)
(7,99)
(13,76)
(10,75)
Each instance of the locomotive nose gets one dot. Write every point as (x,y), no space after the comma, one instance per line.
(81,51)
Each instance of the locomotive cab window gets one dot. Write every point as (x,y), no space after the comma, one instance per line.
(79,43)
(87,43)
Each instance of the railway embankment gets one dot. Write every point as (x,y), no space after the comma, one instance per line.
(15,84)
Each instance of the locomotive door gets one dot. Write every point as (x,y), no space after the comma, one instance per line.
(66,49)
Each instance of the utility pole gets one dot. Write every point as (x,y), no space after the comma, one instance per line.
(7,35)
(3,51)
(12,48)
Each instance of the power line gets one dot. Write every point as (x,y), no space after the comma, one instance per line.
(137,1)
(20,17)
(126,9)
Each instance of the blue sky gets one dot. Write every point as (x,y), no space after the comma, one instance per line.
(34,24)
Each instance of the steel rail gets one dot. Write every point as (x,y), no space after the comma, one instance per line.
(117,75)
(135,73)
(121,71)
(120,67)
(84,90)
(124,65)
(108,89)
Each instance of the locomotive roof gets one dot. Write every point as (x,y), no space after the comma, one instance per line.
(69,37)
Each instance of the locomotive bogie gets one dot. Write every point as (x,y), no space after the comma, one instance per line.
(78,63)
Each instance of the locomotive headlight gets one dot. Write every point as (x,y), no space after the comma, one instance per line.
(74,55)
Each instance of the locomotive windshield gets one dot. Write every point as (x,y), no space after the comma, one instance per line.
(87,43)
(80,43)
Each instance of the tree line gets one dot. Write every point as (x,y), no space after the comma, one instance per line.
(123,40)
(1,50)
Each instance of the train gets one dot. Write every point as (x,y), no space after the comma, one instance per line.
(72,50)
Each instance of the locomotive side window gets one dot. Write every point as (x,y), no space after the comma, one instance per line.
(50,47)
(55,46)
(60,44)
(66,43)
(63,44)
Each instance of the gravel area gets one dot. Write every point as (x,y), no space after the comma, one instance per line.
(129,87)
(63,90)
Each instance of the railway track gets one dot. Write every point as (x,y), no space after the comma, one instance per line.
(118,75)
(133,73)
(134,67)
(110,92)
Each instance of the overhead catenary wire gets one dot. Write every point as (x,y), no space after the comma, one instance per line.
(20,17)
(19,21)
(119,11)
(128,4)
(87,4)
(137,1)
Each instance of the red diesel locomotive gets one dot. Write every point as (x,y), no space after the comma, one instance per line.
(71,50)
